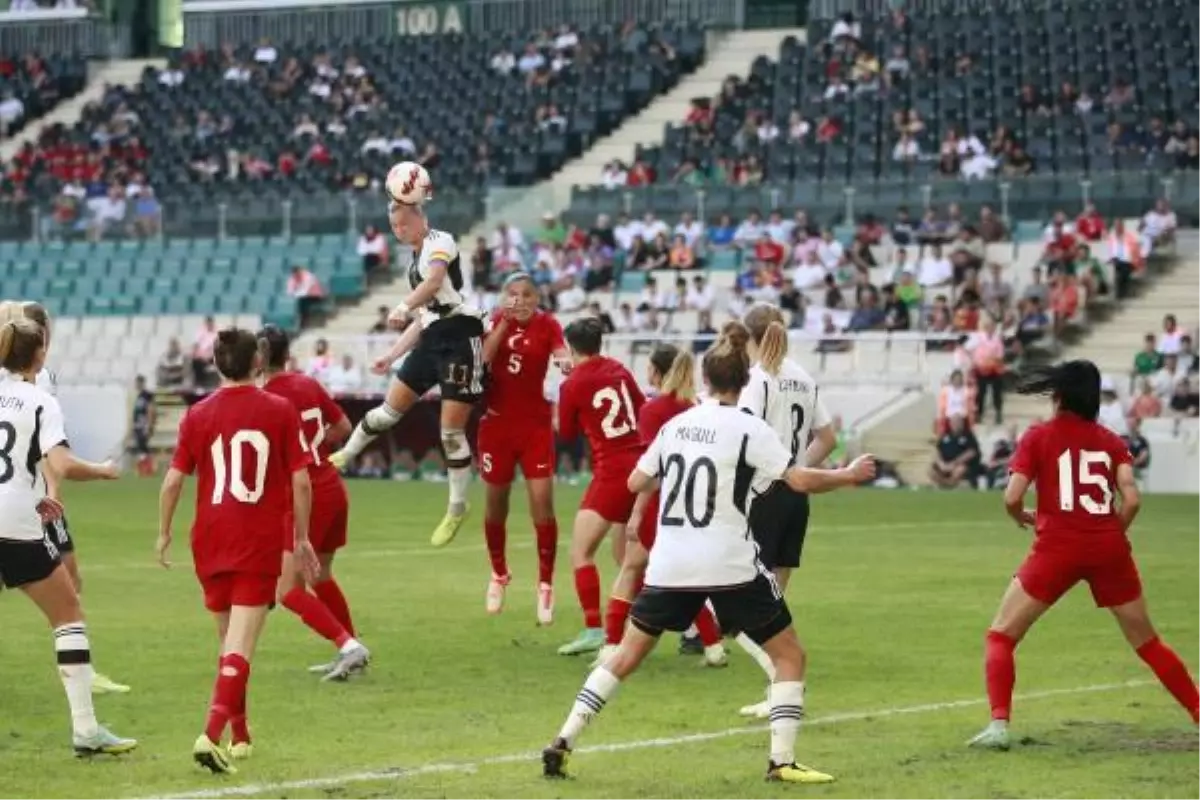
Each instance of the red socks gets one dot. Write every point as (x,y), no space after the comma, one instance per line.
(707,627)
(229,697)
(496,537)
(587,588)
(547,547)
(1172,673)
(1001,672)
(330,594)
(313,613)
(615,618)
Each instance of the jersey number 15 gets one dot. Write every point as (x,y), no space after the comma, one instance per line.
(1069,491)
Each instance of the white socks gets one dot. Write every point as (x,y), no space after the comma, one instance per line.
(460,479)
(758,654)
(599,687)
(378,420)
(75,669)
(787,702)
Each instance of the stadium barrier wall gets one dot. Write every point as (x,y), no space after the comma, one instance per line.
(97,419)
(54,31)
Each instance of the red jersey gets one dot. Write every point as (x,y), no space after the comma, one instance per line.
(657,412)
(517,376)
(318,411)
(1073,465)
(602,398)
(244,444)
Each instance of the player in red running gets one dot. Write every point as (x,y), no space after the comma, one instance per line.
(1076,467)
(517,428)
(253,489)
(322,424)
(601,397)
(672,372)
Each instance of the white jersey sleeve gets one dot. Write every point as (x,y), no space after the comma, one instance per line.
(53,431)
(47,381)
(450,299)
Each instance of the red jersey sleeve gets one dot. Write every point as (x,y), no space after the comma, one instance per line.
(295,456)
(1025,460)
(554,333)
(331,412)
(635,394)
(1119,451)
(184,460)
(568,412)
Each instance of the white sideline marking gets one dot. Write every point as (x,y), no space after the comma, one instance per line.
(397,773)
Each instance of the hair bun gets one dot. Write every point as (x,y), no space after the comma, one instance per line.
(735,334)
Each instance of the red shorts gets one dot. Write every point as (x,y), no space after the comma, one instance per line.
(327,522)
(610,498)
(227,589)
(649,525)
(1112,575)
(503,445)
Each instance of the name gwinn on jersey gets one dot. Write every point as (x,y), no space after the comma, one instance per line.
(789,403)
(449,300)
(706,460)
(31,424)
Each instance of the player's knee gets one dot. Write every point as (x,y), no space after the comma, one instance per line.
(380,419)
(457,447)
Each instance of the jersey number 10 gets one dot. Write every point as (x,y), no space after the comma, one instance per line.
(230,472)
(1068,491)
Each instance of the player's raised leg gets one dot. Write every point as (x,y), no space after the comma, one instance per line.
(455,415)
(589,531)
(1168,667)
(376,422)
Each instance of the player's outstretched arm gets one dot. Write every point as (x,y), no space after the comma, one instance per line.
(168,501)
(491,342)
(822,444)
(1014,500)
(65,465)
(403,345)
(1131,498)
(427,289)
(817,481)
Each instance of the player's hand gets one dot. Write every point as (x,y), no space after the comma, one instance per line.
(49,509)
(1026,519)
(162,548)
(380,366)
(398,320)
(109,470)
(564,364)
(306,560)
(863,468)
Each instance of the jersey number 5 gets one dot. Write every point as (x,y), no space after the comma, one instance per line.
(614,404)
(1068,491)
(231,471)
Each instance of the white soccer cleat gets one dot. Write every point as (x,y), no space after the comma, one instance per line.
(353,660)
(495,593)
(545,604)
(604,654)
(756,710)
(716,656)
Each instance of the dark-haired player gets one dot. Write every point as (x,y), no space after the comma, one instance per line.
(705,459)
(517,429)
(322,423)
(601,397)
(449,355)
(1078,468)
(253,489)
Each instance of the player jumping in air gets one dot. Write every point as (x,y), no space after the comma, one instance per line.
(601,397)
(517,428)
(253,490)
(448,353)
(31,430)
(1076,466)
(672,372)
(705,459)
(56,528)
(785,396)
(322,423)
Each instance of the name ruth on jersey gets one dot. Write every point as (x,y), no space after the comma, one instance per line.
(696,434)
(11,402)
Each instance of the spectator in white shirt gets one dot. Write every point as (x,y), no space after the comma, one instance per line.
(906,149)
(935,270)
(749,231)
(689,229)
(614,175)
(837,88)
(530,60)
(571,297)
(811,273)
(846,27)
(504,62)
(401,144)
(344,377)
(322,361)
(506,237)
(306,290)
(372,248)
(376,143)
(700,296)
(830,251)
(1165,379)
(1059,226)
(1158,227)
(780,229)
(626,231)
(653,227)
(767,131)
(566,39)
(1170,341)
(237,73)
(202,352)
(652,296)
(738,303)
(11,111)
(1112,413)
(106,211)
(900,263)
(265,53)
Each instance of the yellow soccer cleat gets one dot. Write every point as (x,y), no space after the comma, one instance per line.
(796,773)
(102,742)
(212,756)
(447,529)
(338,459)
(102,684)
(240,751)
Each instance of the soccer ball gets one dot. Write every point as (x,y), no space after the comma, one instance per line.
(408,183)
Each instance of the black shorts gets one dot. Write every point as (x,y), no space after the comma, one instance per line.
(449,355)
(58,533)
(779,522)
(141,443)
(27,561)
(756,608)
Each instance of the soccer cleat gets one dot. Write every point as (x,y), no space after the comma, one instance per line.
(545,604)
(554,759)
(339,459)
(212,756)
(760,710)
(716,656)
(796,773)
(690,646)
(447,529)
(589,640)
(604,654)
(240,751)
(993,737)
(353,660)
(321,669)
(102,684)
(102,742)
(495,593)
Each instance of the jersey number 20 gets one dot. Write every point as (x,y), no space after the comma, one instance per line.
(684,482)
(1068,491)
(614,405)
(230,472)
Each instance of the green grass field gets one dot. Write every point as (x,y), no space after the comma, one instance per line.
(892,602)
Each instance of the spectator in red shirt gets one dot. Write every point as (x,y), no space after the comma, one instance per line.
(1060,248)
(287,163)
(1064,300)
(640,175)
(828,129)
(1089,226)
(768,251)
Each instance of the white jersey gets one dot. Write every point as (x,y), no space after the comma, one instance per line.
(706,460)
(31,424)
(450,299)
(46,380)
(789,402)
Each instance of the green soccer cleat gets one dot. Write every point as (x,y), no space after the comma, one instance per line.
(240,751)
(102,684)
(554,759)
(212,756)
(589,640)
(339,459)
(993,737)
(796,773)
(102,742)
(447,529)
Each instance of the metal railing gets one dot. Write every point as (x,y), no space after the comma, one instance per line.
(875,9)
(213,22)
(62,32)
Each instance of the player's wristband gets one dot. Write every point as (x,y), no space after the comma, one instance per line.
(404,310)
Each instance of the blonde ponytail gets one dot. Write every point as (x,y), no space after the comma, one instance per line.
(680,379)
(767,328)
(20,340)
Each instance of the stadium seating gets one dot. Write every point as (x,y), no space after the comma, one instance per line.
(40,83)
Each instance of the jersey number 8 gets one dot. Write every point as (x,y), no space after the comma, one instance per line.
(1067,490)
(231,472)
(613,404)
